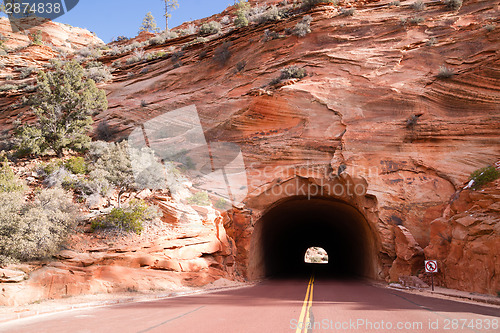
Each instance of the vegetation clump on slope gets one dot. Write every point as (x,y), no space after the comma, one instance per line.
(31,229)
(484,176)
(63,105)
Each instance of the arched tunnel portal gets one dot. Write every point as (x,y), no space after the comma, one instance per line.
(285,232)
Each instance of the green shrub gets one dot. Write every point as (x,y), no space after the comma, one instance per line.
(222,53)
(8,180)
(89,52)
(30,88)
(76,165)
(347,12)
(273,14)
(292,72)
(418,5)
(138,56)
(484,176)
(51,166)
(241,65)
(98,74)
(431,42)
(129,218)
(36,38)
(60,177)
(120,39)
(240,20)
(303,27)
(210,28)
(8,87)
(445,72)
(113,162)
(159,54)
(63,105)
(416,20)
(26,71)
(93,63)
(453,4)
(37,229)
(270,35)
(309,4)
(395,3)
(163,37)
(96,184)
(489,27)
(190,30)
(200,199)
(222,204)
(242,5)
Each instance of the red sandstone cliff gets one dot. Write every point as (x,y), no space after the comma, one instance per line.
(371,101)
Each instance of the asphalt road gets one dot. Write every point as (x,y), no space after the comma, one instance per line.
(300,305)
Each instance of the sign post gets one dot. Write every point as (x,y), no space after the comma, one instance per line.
(431,267)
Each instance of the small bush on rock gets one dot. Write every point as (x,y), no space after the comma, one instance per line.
(8,180)
(418,5)
(241,19)
(76,165)
(308,4)
(445,72)
(453,4)
(292,72)
(200,199)
(273,14)
(129,218)
(222,53)
(210,28)
(484,176)
(303,27)
(347,11)
(99,74)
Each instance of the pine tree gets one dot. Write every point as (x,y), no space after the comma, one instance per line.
(169,6)
(63,105)
(149,24)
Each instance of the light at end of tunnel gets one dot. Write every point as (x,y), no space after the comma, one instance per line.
(316,255)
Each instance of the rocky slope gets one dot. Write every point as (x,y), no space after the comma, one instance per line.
(372,106)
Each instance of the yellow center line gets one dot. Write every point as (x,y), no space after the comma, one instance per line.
(306,307)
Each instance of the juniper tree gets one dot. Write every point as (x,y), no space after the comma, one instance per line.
(63,105)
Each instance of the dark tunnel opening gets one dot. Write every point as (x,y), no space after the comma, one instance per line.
(290,228)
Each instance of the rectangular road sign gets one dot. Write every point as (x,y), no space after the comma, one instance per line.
(431,266)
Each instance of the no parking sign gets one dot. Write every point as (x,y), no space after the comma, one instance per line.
(431,266)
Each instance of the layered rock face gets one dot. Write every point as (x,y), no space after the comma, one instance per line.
(371,105)
(59,35)
(371,114)
(466,241)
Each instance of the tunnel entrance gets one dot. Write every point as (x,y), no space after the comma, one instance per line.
(285,232)
(316,255)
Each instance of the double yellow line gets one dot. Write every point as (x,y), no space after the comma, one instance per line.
(306,308)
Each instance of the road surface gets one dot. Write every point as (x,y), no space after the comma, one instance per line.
(300,305)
